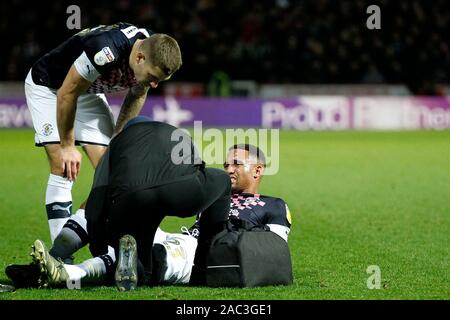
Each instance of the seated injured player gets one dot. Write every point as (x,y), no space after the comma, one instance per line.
(173,253)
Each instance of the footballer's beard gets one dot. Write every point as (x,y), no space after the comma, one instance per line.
(142,81)
(238,186)
(141,78)
(234,184)
(235,188)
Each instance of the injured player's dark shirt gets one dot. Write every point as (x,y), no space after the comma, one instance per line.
(258,210)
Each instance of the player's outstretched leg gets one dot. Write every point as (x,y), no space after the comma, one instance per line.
(54,270)
(126,271)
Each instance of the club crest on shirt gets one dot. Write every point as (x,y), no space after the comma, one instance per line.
(104,56)
(47,129)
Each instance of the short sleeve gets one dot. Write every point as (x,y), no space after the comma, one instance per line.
(85,68)
(279,213)
(279,219)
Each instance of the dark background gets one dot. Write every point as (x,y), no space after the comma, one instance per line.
(269,41)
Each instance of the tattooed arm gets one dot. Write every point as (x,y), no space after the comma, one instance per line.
(131,106)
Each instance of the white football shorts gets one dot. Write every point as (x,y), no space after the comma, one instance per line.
(180,249)
(94,121)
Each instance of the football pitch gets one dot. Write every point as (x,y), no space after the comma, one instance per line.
(358,200)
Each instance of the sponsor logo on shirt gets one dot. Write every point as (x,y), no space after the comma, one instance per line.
(109,55)
(104,56)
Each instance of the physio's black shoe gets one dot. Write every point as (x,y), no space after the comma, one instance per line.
(126,271)
(24,275)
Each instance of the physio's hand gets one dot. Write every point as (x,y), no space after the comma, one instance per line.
(70,159)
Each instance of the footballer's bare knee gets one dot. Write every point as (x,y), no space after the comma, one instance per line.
(94,153)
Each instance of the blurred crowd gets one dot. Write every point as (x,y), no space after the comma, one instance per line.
(270,41)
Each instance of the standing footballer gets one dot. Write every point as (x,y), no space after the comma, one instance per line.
(65,94)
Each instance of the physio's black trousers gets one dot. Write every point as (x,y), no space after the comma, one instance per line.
(140,213)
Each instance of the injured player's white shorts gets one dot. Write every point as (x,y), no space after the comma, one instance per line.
(180,253)
(94,121)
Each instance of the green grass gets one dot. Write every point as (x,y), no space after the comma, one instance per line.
(357,199)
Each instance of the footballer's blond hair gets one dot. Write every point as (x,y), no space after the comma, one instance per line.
(163,51)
